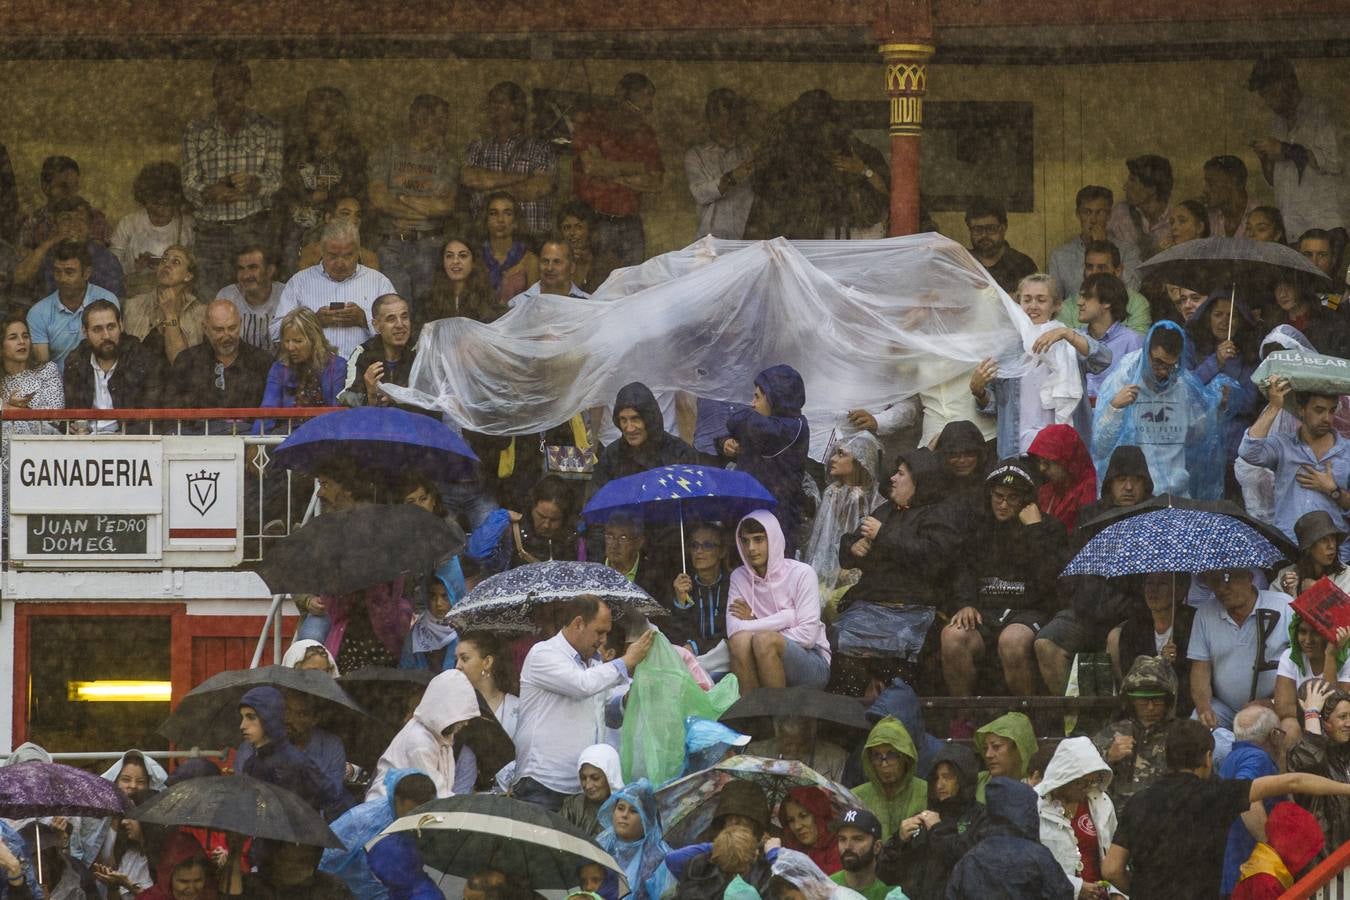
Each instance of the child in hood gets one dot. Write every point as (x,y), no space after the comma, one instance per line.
(426,742)
(770,441)
(276,760)
(1293,840)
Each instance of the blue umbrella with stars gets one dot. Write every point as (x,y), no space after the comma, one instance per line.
(669,494)
(1174,534)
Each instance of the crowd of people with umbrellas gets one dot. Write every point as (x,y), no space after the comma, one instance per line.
(663,671)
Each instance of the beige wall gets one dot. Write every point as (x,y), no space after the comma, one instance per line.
(113,116)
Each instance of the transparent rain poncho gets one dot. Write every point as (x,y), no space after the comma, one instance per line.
(842,507)
(866,323)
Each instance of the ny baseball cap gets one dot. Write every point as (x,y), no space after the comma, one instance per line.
(861,819)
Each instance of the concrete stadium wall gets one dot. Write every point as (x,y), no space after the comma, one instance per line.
(114,116)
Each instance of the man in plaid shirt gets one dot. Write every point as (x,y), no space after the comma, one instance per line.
(508,159)
(231,165)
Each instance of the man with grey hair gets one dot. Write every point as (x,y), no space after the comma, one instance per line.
(794,737)
(339,290)
(1257,746)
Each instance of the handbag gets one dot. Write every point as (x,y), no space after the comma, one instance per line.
(572,461)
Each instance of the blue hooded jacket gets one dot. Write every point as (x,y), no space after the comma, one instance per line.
(1177,422)
(774,447)
(1009,862)
(397,864)
(281,763)
(354,828)
(643,858)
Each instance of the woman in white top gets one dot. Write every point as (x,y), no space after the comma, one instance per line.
(486,662)
(1310,655)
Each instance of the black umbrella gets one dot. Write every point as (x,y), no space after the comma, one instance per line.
(1172,501)
(346,551)
(242,805)
(799,701)
(463,835)
(208,715)
(387,694)
(1206,264)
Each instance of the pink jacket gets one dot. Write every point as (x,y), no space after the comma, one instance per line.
(785,600)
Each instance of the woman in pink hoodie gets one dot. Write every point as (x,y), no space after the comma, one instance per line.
(773,612)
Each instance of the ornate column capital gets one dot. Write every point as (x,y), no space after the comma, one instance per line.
(906,84)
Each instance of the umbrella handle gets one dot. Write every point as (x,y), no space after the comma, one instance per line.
(684,562)
(1232,310)
(37,834)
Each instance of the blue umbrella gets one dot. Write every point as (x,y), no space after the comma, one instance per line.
(506,600)
(1174,539)
(669,494)
(383,438)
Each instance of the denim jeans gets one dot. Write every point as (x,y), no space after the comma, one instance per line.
(528,790)
(411,266)
(467,498)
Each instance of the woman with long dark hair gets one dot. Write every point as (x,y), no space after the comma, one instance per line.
(460,286)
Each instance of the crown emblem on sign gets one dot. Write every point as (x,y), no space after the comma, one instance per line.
(202,490)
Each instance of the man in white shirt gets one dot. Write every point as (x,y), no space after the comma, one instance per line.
(339,290)
(563,688)
(555,274)
(1235,645)
(1300,154)
(255,294)
(719,170)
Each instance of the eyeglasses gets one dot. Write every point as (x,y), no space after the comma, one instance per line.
(704,545)
(619,538)
(879,759)
(1158,700)
(220,376)
(985,229)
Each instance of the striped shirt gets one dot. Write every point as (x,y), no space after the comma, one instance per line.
(314,290)
(255,325)
(211,154)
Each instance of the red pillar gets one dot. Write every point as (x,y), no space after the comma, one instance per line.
(906,85)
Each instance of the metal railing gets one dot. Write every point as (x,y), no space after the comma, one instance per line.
(274,513)
(1327,881)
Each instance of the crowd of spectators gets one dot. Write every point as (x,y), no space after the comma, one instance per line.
(295,271)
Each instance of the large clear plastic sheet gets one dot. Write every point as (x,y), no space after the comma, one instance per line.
(866,323)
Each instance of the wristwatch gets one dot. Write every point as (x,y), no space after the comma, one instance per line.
(868,173)
(1336,495)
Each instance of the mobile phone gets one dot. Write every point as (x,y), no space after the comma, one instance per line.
(337,304)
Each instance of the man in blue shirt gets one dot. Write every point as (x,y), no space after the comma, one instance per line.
(54,321)
(1311,466)
(1103,306)
(1257,744)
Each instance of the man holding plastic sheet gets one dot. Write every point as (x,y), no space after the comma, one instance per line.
(1312,466)
(1150,401)
(563,688)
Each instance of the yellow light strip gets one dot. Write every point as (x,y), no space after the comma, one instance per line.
(119,691)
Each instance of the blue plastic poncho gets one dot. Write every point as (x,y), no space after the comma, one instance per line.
(1177,422)
(641,858)
(354,828)
(706,742)
(429,634)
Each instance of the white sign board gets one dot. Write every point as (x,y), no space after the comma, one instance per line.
(73,475)
(126,502)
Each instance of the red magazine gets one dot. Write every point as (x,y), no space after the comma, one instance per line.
(1325,607)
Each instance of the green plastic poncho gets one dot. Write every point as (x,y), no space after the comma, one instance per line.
(910,797)
(1017,728)
(662,695)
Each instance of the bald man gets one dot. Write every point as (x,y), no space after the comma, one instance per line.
(223,371)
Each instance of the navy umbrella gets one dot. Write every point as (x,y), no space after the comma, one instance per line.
(669,494)
(506,601)
(1175,539)
(382,438)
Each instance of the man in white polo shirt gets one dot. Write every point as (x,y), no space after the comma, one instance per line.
(339,290)
(1235,645)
